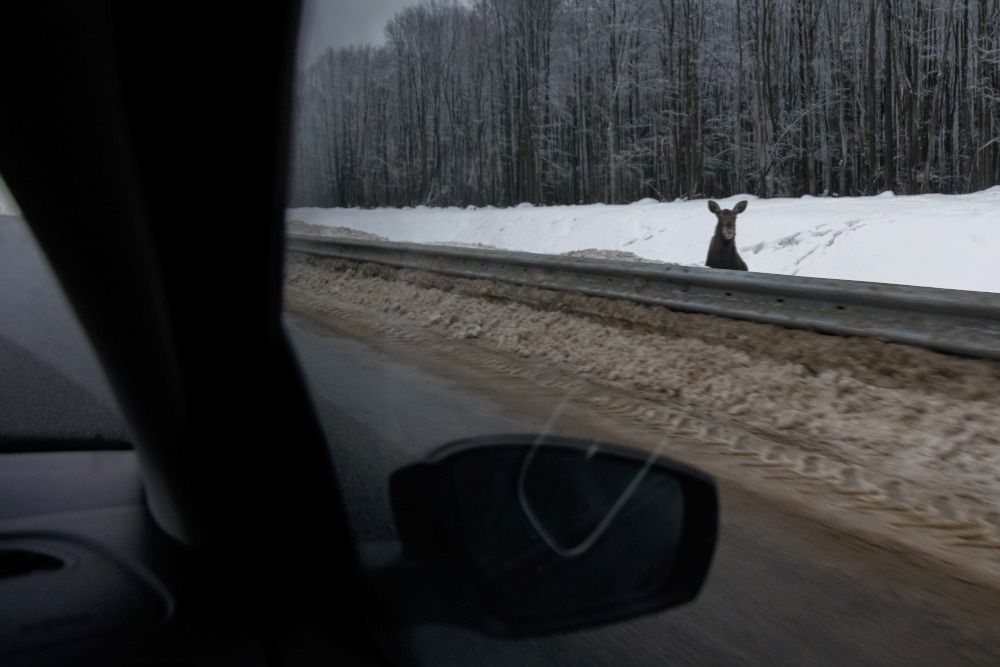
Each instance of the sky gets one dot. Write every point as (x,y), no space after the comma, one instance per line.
(337,23)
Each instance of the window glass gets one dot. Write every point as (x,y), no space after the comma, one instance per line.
(675,226)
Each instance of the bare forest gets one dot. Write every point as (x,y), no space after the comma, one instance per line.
(580,101)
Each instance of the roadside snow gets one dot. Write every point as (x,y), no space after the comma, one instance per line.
(299,227)
(934,240)
(909,428)
(595,253)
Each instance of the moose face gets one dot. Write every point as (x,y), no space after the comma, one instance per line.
(726,226)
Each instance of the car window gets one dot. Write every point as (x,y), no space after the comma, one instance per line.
(757,237)
(53,385)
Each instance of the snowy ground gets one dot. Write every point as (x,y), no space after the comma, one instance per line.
(935,240)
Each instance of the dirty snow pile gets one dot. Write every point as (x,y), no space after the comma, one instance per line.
(922,427)
(950,241)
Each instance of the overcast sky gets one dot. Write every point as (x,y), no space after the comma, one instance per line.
(337,23)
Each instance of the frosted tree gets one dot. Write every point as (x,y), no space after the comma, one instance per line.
(570,101)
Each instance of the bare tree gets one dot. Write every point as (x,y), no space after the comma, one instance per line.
(569,101)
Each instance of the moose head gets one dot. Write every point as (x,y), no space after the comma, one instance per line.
(727,218)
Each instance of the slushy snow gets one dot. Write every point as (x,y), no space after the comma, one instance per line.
(950,241)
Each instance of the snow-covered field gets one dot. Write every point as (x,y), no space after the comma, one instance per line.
(935,240)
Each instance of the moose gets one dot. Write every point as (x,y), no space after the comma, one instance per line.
(722,250)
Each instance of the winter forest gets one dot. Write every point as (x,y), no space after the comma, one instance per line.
(581,101)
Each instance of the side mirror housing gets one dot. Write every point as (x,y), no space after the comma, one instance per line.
(539,534)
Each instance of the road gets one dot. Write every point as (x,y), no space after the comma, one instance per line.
(783,589)
(44,352)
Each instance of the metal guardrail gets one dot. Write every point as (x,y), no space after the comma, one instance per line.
(953,321)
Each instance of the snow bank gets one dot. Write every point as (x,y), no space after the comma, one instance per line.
(935,240)
(299,227)
(855,422)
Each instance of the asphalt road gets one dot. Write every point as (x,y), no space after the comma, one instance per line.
(783,589)
(45,353)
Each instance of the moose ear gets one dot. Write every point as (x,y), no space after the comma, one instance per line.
(740,207)
(712,206)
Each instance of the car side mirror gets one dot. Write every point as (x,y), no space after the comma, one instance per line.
(544,534)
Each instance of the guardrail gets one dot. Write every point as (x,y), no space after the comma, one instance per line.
(953,321)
